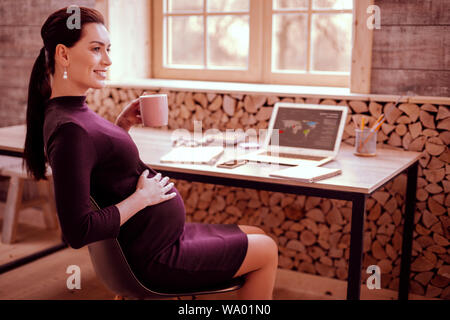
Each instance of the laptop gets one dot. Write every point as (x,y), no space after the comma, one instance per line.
(301,134)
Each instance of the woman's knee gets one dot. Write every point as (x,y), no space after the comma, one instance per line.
(251,229)
(263,246)
(272,247)
(262,251)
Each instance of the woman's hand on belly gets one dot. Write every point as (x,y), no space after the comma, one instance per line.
(148,193)
(154,190)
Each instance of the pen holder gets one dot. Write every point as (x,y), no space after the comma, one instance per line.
(365,142)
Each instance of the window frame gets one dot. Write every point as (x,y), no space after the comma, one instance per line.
(253,73)
(260,61)
(331,79)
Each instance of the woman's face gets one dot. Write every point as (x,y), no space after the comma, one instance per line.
(89,58)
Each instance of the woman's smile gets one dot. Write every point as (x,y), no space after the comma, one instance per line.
(101,73)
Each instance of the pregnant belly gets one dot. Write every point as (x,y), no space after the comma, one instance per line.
(165,221)
(170,213)
(153,229)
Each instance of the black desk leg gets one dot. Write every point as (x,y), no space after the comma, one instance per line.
(410,207)
(356,247)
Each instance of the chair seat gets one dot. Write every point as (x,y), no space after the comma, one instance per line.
(231,285)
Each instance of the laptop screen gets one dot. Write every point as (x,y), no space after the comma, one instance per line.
(307,128)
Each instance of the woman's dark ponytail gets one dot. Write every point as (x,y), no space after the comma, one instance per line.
(53,32)
(39,90)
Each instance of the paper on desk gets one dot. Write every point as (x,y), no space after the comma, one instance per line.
(306,173)
(195,155)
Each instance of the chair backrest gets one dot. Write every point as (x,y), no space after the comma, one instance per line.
(111,266)
(113,269)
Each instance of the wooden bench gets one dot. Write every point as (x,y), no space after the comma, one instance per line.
(12,168)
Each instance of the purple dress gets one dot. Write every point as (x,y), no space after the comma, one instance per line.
(91,156)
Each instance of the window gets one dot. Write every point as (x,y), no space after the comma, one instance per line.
(305,42)
(310,41)
(207,40)
(211,36)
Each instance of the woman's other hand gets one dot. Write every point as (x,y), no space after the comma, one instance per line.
(154,190)
(130,115)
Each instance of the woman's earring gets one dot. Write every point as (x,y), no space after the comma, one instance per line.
(65,74)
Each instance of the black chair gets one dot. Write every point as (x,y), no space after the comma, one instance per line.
(111,266)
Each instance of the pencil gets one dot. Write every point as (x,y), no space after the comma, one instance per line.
(378,120)
(379,125)
(372,132)
(362,132)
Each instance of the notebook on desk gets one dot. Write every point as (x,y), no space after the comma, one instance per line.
(302,134)
(193,155)
(306,173)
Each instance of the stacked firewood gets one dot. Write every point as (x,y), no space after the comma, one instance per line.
(313,233)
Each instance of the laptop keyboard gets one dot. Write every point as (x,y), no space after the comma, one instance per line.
(292,156)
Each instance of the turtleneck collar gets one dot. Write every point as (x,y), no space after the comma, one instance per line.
(68,101)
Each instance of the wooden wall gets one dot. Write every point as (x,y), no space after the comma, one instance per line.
(20,42)
(411,50)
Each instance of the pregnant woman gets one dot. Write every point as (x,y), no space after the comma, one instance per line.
(91,156)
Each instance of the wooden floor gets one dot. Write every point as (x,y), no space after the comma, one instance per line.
(46,278)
